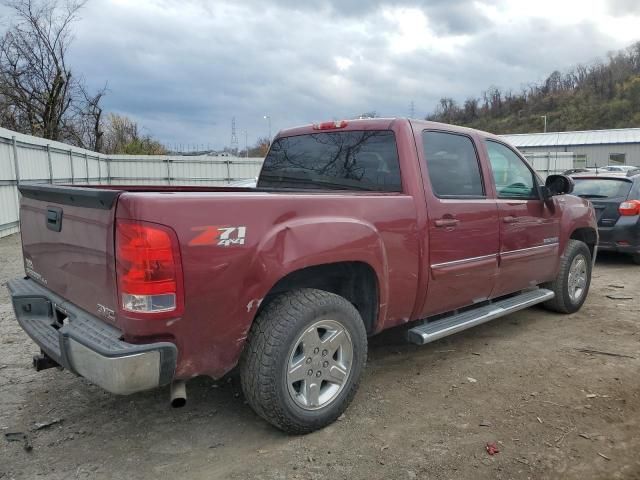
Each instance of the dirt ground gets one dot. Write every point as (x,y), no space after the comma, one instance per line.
(422,412)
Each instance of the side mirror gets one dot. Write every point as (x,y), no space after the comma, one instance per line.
(558,185)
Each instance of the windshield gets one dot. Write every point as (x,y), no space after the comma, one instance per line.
(601,188)
(354,160)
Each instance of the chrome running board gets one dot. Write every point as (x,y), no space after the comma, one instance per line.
(430,331)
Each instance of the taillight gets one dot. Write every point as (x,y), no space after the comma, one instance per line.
(330,125)
(629,208)
(147,267)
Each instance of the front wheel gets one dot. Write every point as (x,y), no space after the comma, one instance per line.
(573,280)
(304,358)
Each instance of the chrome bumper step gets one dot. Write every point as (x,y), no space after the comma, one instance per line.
(431,331)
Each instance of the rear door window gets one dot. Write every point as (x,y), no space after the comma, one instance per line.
(453,165)
(353,160)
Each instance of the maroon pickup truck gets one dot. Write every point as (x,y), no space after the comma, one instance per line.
(354,227)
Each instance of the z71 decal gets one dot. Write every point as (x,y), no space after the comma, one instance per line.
(220,236)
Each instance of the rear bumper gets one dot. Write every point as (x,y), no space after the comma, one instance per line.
(88,346)
(623,237)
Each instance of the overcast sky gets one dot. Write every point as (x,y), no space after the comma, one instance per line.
(184,68)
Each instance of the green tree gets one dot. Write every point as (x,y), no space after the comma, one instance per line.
(597,96)
(122,137)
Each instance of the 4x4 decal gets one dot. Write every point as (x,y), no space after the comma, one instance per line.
(220,236)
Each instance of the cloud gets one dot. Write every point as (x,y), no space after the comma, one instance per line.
(621,8)
(183,69)
(448,16)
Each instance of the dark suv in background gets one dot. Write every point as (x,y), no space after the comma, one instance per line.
(616,200)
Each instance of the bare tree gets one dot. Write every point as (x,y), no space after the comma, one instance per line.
(91,121)
(261,147)
(39,93)
(84,123)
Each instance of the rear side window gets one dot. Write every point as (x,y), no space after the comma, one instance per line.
(601,188)
(453,165)
(354,160)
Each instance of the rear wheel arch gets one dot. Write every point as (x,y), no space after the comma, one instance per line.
(355,281)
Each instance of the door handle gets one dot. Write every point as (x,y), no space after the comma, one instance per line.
(447,222)
(54,219)
(509,219)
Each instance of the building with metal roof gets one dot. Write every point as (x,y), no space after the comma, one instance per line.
(591,147)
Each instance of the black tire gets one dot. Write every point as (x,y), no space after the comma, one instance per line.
(636,258)
(563,302)
(269,350)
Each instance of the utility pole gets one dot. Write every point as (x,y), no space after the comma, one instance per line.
(545,122)
(246,143)
(234,137)
(412,110)
(268,118)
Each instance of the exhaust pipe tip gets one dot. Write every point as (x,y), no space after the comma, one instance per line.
(178,396)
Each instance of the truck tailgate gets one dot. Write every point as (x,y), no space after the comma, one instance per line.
(68,243)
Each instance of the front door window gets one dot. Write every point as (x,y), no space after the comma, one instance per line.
(514,180)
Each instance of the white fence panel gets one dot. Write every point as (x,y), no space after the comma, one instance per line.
(78,167)
(182,170)
(60,166)
(551,163)
(8,209)
(8,192)
(245,168)
(103,170)
(201,169)
(32,165)
(125,167)
(6,161)
(94,170)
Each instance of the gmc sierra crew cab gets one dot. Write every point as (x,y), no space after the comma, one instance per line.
(354,227)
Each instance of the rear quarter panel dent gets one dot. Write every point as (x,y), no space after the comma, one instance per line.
(301,243)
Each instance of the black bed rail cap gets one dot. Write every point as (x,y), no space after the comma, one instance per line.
(101,198)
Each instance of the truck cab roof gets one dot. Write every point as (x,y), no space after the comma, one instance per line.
(385,123)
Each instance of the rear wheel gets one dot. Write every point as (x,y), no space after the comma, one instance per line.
(305,355)
(573,280)
(636,258)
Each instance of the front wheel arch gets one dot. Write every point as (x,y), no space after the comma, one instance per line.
(588,236)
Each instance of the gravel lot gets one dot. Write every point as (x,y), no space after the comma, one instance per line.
(422,412)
